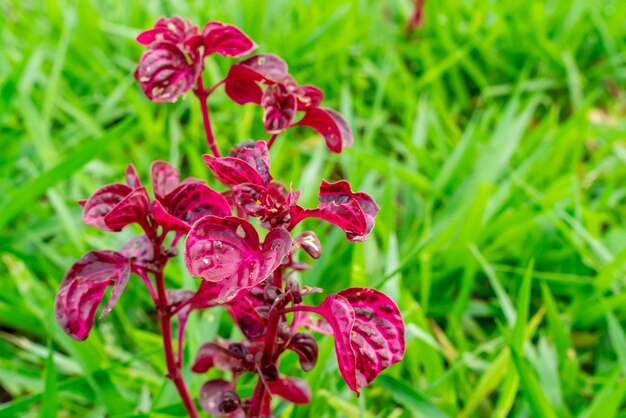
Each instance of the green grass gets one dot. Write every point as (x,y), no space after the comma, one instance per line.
(492,138)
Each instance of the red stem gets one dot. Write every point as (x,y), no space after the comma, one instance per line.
(202,95)
(271,140)
(173,370)
(260,397)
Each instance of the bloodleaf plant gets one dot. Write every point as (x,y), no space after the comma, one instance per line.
(249,273)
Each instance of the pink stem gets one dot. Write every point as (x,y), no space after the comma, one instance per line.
(202,95)
(173,370)
(271,140)
(261,398)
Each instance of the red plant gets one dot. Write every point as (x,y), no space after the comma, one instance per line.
(249,276)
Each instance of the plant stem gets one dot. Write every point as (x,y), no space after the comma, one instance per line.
(173,370)
(202,96)
(270,142)
(261,398)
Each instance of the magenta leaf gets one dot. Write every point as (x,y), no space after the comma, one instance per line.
(133,208)
(165,179)
(233,357)
(308,96)
(331,125)
(232,171)
(264,68)
(83,287)
(354,212)
(305,346)
(218,398)
(138,250)
(228,249)
(340,315)
(165,72)
(132,178)
(102,202)
(211,355)
(270,204)
(309,242)
(226,40)
(369,333)
(242,91)
(241,82)
(279,108)
(258,157)
(188,203)
(174,30)
(291,389)
(243,309)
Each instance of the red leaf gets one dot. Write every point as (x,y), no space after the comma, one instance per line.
(186,204)
(138,249)
(264,68)
(205,358)
(309,96)
(218,398)
(102,202)
(309,242)
(378,332)
(241,82)
(226,40)
(305,346)
(165,179)
(291,389)
(165,73)
(132,178)
(279,108)
(331,125)
(232,171)
(243,309)
(133,208)
(174,30)
(369,333)
(227,249)
(354,212)
(258,156)
(83,287)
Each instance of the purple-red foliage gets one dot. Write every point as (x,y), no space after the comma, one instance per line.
(253,276)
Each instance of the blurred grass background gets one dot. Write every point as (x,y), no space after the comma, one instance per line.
(493,139)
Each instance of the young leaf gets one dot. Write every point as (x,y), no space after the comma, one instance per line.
(291,389)
(226,40)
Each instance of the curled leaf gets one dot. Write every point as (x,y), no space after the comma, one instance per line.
(232,171)
(331,125)
(83,287)
(226,40)
(133,208)
(353,212)
(165,178)
(114,206)
(218,398)
(132,178)
(291,389)
(309,242)
(173,30)
(241,82)
(138,250)
(305,346)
